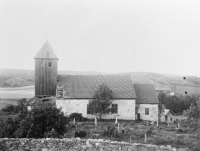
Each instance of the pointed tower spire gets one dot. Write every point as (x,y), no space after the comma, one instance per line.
(46,52)
(46,66)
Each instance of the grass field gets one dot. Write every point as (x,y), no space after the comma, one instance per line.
(10,96)
(6,102)
(135,132)
(17,93)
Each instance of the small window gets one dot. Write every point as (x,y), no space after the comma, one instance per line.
(146,111)
(49,64)
(171,118)
(114,108)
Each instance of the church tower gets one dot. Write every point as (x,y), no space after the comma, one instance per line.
(45,71)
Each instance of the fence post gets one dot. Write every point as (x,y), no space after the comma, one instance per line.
(145,138)
(118,127)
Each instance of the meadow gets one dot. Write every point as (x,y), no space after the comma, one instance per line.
(17,92)
(10,96)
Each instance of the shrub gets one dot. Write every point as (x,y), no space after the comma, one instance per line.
(179,130)
(150,131)
(52,134)
(80,134)
(111,132)
(12,109)
(77,116)
(37,123)
(40,120)
(8,127)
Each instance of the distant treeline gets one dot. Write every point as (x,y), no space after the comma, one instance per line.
(177,104)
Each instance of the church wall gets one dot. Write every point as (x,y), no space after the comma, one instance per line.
(126,108)
(153,112)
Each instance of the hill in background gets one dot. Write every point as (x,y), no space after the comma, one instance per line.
(18,78)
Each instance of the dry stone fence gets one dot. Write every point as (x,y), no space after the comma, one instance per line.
(75,144)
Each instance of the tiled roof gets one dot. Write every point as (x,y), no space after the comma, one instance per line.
(85,86)
(146,94)
(46,52)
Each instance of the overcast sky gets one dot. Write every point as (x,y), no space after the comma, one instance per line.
(160,36)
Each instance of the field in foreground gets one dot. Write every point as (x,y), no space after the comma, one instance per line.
(17,92)
(134,132)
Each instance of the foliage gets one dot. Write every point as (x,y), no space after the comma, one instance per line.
(193,114)
(177,104)
(16,109)
(8,128)
(150,131)
(37,123)
(77,116)
(101,102)
(51,134)
(161,98)
(80,134)
(40,120)
(111,132)
(12,109)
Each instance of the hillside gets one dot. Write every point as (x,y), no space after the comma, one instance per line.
(17,77)
(16,82)
(17,92)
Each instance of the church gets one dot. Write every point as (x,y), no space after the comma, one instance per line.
(72,92)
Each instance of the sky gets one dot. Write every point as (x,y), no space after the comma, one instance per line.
(103,35)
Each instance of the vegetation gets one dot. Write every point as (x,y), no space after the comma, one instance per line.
(41,121)
(177,104)
(193,114)
(101,102)
(77,116)
(80,134)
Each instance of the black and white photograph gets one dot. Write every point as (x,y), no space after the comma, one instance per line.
(99,75)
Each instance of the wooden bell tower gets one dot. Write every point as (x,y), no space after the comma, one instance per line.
(45,71)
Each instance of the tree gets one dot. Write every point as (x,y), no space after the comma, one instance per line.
(161,98)
(193,114)
(41,120)
(177,104)
(101,102)
(16,109)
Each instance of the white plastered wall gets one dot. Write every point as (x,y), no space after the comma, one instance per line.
(126,108)
(153,112)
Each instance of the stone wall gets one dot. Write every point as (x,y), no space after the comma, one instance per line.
(75,145)
(126,108)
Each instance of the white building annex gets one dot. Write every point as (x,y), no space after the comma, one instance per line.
(147,102)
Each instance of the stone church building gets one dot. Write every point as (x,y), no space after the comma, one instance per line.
(73,92)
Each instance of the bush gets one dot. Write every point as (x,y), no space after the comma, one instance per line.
(40,120)
(77,116)
(179,130)
(52,134)
(12,109)
(37,123)
(80,134)
(8,127)
(150,131)
(111,132)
